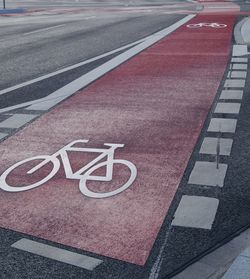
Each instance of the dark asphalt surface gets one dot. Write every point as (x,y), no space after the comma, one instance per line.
(27,56)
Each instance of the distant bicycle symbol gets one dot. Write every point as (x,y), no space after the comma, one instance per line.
(83,174)
(205,24)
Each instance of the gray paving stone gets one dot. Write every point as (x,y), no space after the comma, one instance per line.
(196,212)
(239,60)
(235,83)
(17,120)
(209,146)
(3,135)
(239,66)
(239,50)
(196,271)
(240,269)
(222,125)
(231,94)
(206,173)
(232,108)
(238,74)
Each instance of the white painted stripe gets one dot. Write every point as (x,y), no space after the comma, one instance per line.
(209,146)
(237,74)
(57,254)
(206,173)
(231,94)
(240,50)
(17,120)
(44,29)
(239,60)
(235,83)
(222,125)
(230,108)
(93,75)
(3,135)
(196,212)
(9,89)
(240,66)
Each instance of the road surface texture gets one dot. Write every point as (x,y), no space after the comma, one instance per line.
(159,92)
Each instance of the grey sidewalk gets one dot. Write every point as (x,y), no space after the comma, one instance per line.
(216,264)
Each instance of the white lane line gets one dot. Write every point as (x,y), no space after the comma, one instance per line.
(9,89)
(209,146)
(206,173)
(231,94)
(239,60)
(44,29)
(235,83)
(93,75)
(196,212)
(230,108)
(239,66)
(237,74)
(57,254)
(17,121)
(222,125)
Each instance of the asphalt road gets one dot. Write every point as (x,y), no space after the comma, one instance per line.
(160,104)
(34,46)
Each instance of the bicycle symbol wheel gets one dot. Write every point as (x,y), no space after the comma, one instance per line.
(85,191)
(6,187)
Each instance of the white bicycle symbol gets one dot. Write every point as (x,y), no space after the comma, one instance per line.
(82,174)
(204,24)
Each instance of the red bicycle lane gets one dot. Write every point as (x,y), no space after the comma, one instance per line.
(156,105)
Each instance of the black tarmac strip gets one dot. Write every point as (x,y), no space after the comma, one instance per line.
(184,245)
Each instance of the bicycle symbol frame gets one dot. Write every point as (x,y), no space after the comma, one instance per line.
(205,24)
(83,174)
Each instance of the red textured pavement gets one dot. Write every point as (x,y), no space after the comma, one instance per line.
(156,105)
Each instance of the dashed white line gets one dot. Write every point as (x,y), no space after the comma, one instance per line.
(57,254)
(44,29)
(196,212)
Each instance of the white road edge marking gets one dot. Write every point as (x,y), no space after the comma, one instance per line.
(9,89)
(43,29)
(93,75)
(57,254)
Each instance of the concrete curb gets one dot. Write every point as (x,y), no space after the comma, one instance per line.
(242,32)
(240,268)
(12,11)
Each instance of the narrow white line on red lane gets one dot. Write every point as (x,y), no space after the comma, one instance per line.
(93,75)
(44,29)
(57,254)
